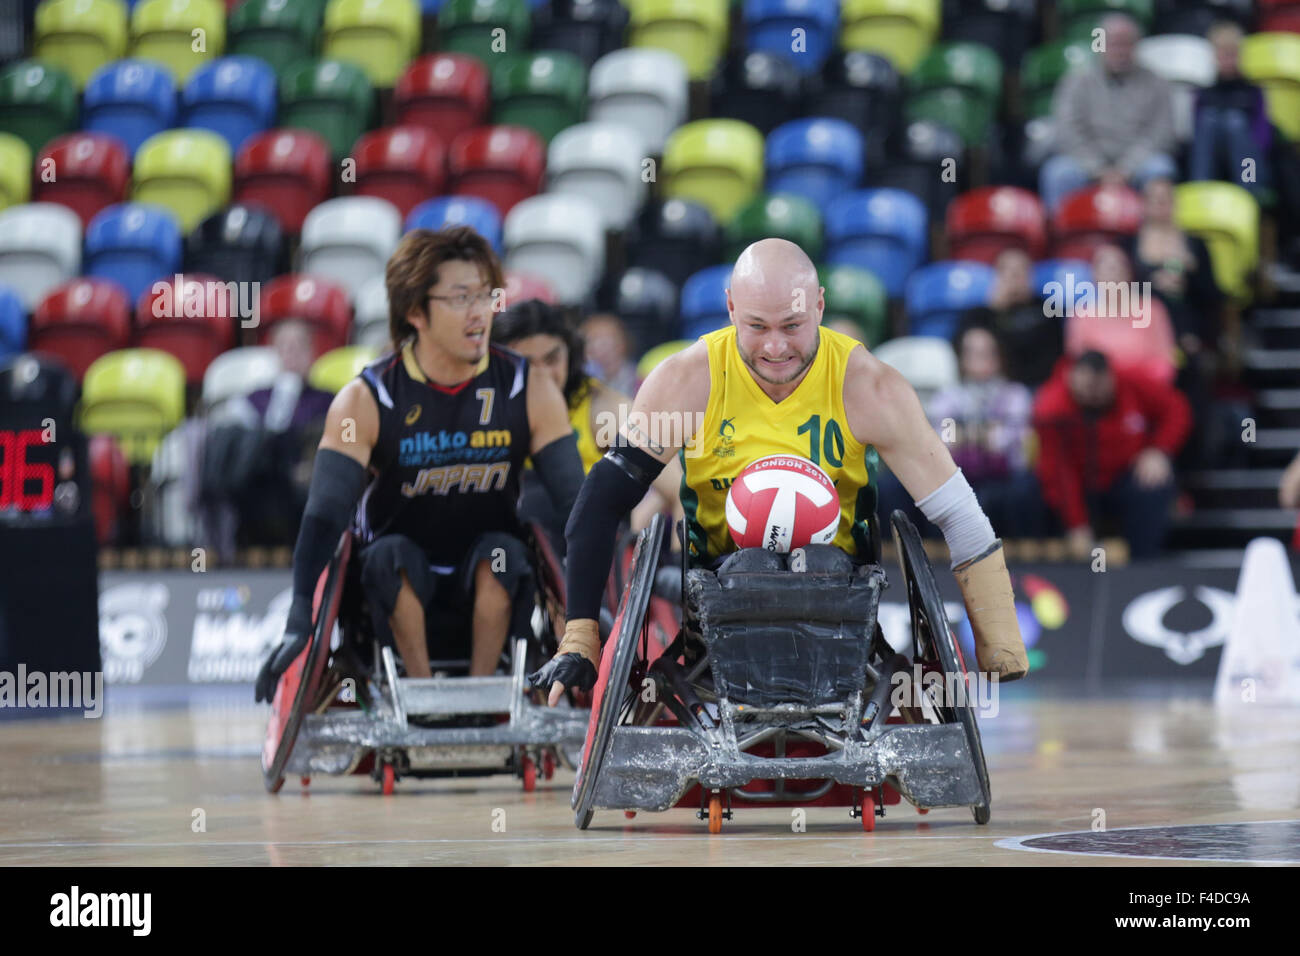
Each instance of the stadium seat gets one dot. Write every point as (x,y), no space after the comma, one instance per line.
(924,146)
(780,215)
(816,158)
(40,247)
(648,362)
(239,373)
(370,318)
(89,172)
(718,163)
(479,214)
(184,170)
(281,32)
(238,244)
(37,102)
(1004,25)
(884,231)
(286,171)
(1094,216)
(380,36)
(79,36)
(502,164)
(674,237)
(522,286)
(939,293)
(15,171)
(865,90)
(193,317)
(696,30)
(339,366)
(771,25)
(233,97)
(646,301)
(13,323)
(446,92)
(110,477)
(704,301)
(589,29)
(985,221)
(467,26)
(1226,216)
(959,85)
(557,237)
(1187,62)
(319,302)
(1273,61)
(80,320)
(858,296)
(1055,278)
(646,89)
(330,98)
(164,31)
(1195,17)
(759,88)
(928,363)
(899,30)
(130,99)
(1278,16)
(135,395)
(348,240)
(134,245)
(1080,16)
(1042,68)
(544,92)
(403,164)
(604,162)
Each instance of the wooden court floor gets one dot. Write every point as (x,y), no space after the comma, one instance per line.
(1138,780)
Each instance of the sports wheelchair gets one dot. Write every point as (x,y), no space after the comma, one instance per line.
(777,692)
(343,708)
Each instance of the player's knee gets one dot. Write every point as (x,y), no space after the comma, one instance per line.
(390,564)
(501,564)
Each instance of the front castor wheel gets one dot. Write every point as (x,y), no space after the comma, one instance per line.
(868,811)
(715,813)
(530,774)
(548,765)
(981,813)
(388,778)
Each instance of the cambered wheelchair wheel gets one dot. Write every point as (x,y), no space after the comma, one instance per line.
(934,644)
(300,685)
(611,693)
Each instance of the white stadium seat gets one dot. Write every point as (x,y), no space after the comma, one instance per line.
(603,161)
(558,238)
(644,88)
(40,248)
(349,240)
(927,362)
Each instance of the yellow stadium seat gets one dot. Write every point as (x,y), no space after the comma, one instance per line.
(1273,61)
(1226,216)
(15,170)
(184,170)
(718,163)
(380,36)
(80,36)
(899,30)
(136,395)
(182,35)
(696,30)
(654,356)
(339,366)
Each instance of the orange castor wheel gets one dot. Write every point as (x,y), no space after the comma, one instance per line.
(923,810)
(868,811)
(530,774)
(306,782)
(389,779)
(715,813)
(548,765)
(630,814)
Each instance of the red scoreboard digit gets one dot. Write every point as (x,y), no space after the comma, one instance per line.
(26,481)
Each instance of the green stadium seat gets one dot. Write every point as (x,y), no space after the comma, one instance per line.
(543,91)
(779,215)
(330,98)
(37,102)
(1043,68)
(281,32)
(468,26)
(959,85)
(858,296)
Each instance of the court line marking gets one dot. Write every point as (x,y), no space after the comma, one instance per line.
(1015,843)
(803,837)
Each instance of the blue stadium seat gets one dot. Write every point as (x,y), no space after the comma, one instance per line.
(817,158)
(939,293)
(704,301)
(1058,271)
(130,99)
(471,211)
(134,244)
(884,231)
(13,323)
(770,26)
(234,97)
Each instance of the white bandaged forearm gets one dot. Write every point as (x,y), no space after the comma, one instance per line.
(954,510)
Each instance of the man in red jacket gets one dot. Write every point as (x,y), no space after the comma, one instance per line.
(1107,439)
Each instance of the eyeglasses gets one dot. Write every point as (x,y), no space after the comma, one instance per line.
(463,300)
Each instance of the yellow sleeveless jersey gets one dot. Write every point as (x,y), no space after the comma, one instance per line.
(580,419)
(742,424)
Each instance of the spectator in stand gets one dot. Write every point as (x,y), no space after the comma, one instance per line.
(1031,340)
(609,352)
(1114,120)
(1232,132)
(1107,439)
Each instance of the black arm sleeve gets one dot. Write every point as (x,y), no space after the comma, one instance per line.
(559,466)
(336,483)
(613,487)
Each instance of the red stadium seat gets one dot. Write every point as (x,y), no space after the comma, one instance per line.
(502,164)
(79,321)
(403,164)
(984,222)
(83,171)
(520,287)
(194,320)
(320,303)
(446,92)
(287,171)
(110,477)
(1092,217)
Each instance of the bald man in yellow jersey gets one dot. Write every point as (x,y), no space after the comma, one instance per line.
(774,381)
